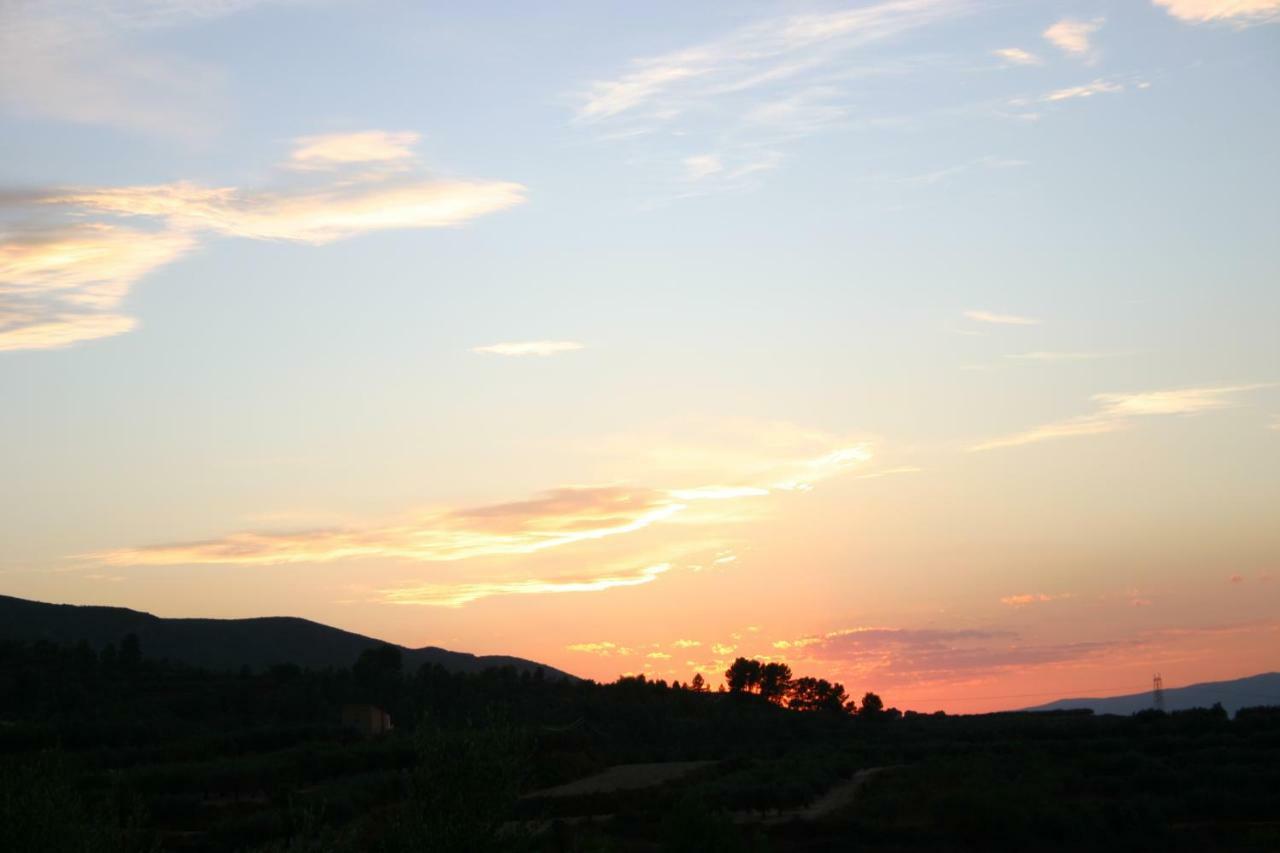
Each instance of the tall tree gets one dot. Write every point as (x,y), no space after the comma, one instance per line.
(743,676)
(775,679)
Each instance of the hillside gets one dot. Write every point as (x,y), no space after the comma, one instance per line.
(225,644)
(1239,693)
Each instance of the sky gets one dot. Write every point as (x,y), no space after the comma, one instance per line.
(925,345)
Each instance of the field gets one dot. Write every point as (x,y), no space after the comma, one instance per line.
(145,755)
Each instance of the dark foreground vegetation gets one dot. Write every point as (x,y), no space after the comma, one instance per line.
(107,750)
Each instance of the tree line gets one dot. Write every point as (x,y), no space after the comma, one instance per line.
(773,682)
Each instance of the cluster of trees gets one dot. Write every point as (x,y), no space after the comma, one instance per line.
(774,683)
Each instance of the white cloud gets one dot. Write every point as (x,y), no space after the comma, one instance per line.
(523,348)
(1072,36)
(310,215)
(701,166)
(1000,319)
(1183,401)
(60,284)
(1017,56)
(1238,12)
(1088,90)
(1116,410)
(364,147)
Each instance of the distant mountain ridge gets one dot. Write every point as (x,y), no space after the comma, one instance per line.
(1262,689)
(226,644)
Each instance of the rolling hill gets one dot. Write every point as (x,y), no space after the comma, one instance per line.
(225,644)
(1239,693)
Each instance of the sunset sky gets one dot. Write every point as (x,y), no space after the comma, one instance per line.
(932,346)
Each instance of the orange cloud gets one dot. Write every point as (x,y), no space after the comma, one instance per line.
(552,519)
(555,518)
(58,285)
(456,595)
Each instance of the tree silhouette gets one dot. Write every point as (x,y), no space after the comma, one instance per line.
(816,694)
(775,679)
(743,676)
(872,706)
(698,684)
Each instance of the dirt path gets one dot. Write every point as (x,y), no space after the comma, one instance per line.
(837,797)
(624,777)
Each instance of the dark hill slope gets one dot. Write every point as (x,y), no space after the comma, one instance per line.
(224,644)
(1239,693)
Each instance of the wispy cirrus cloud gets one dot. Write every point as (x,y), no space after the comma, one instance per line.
(1115,412)
(1072,36)
(1028,598)
(553,519)
(982,316)
(1072,428)
(1086,90)
(745,93)
(511,530)
(1181,401)
(1236,12)
(95,62)
(66,270)
(311,215)
(524,348)
(729,458)
(335,150)
(458,594)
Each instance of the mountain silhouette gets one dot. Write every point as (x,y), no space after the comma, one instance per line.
(226,644)
(1263,689)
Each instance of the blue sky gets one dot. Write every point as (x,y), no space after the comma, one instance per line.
(1021,257)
